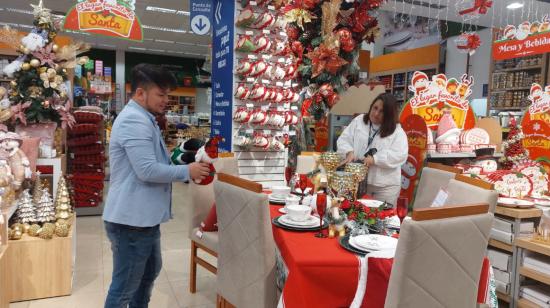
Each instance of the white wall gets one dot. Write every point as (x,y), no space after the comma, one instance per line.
(455,64)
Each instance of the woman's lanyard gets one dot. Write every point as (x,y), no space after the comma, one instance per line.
(372,135)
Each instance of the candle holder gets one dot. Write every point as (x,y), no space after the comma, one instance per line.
(342,183)
(330,161)
(359,173)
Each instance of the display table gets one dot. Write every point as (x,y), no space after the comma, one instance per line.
(4,278)
(40,268)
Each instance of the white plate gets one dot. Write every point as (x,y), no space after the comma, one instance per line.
(542,202)
(282,210)
(515,202)
(312,221)
(375,242)
(354,245)
(371,203)
(276,197)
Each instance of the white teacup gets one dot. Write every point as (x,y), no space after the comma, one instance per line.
(292,200)
(298,212)
(280,191)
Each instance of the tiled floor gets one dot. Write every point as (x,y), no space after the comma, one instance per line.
(94,265)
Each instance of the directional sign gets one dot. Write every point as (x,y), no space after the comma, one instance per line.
(201,10)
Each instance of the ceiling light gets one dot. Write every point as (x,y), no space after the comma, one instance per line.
(165,41)
(136,48)
(163,29)
(514,5)
(167,11)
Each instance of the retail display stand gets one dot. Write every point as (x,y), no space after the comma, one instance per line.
(40,268)
(517,215)
(59,166)
(4,295)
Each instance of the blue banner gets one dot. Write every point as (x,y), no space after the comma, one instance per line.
(200,12)
(222,71)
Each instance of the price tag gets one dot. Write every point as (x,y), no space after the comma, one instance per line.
(266,57)
(294,108)
(250,79)
(286,105)
(279,84)
(288,83)
(250,131)
(271,7)
(249,105)
(265,107)
(253,3)
(249,32)
(253,57)
(267,131)
(286,129)
(295,84)
(292,133)
(265,81)
(278,134)
(265,31)
(280,108)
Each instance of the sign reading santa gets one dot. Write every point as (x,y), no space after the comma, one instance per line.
(431,97)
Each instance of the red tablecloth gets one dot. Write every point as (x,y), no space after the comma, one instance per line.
(323,274)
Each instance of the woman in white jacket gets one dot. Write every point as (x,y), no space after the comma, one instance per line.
(378,133)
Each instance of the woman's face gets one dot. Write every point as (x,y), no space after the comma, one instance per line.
(376,115)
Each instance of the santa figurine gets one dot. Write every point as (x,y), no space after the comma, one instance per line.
(208,154)
(448,135)
(419,83)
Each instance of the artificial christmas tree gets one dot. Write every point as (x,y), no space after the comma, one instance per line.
(45,211)
(39,91)
(26,212)
(62,201)
(514,152)
(37,189)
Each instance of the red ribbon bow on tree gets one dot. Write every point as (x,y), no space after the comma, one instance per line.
(481,6)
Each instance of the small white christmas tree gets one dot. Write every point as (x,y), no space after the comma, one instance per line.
(45,210)
(26,212)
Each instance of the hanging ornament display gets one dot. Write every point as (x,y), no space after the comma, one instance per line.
(468,42)
(475,7)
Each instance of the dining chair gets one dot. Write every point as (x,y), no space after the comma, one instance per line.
(306,162)
(434,177)
(439,257)
(246,256)
(467,190)
(202,199)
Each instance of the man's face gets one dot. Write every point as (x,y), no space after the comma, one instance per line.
(154,99)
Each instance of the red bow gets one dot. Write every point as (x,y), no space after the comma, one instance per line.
(481,6)
(472,43)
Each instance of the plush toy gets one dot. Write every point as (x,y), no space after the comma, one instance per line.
(6,179)
(185,153)
(336,218)
(17,160)
(208,154)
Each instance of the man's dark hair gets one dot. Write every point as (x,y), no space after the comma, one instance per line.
(145,75)
(391,114)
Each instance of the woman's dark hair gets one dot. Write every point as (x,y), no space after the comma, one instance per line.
(145,75)
(390,114)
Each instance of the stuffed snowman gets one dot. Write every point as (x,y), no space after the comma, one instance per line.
(17,160)
(208,154)
(185,153)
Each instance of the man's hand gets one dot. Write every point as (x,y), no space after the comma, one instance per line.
(198,171)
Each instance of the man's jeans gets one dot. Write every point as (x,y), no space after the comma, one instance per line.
(136,264)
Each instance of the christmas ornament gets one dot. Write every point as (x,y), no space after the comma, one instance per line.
(55,47)
(468,42)
(62,230)
(346,40)
(25,208)
(18,161)
(299,16)
(46,232)
(35,63)
(15,234)
(26,227)
(323,58)
(25,66)
(45,211)
(37,188)
(33,230)
(62,201)
(478,7)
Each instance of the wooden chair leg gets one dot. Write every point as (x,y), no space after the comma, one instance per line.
(193,271)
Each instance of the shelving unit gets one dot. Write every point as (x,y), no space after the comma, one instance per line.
(528,245)
(517,215)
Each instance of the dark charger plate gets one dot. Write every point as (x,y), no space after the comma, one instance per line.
(276,222)
(344,242)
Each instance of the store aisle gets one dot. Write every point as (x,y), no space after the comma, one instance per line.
(94,265)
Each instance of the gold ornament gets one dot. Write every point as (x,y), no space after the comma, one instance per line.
(35,63)
(62,94)
(49,225)
(26,51)
(62,230)
(16,235)
(3,92)
(17,226)
(55,47)
(13,83)
(51,73)
(26,227)
(33,230)
(42,69)
(25,66)
(45,233)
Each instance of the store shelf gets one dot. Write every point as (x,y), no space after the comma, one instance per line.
(500,245)
(524,303)
(532,246)
(451,155)
(512,89)
(538,276)
(516,69)
(519,213)
(503,297)
(508,108)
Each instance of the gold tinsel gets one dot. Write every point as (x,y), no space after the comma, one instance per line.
(10,37)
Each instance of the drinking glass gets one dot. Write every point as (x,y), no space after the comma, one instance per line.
(402,208)
(303,185)
(321,208)
(288,175)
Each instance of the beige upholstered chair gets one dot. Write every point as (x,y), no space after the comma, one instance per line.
(246,255)
(306,162)
(434,177)
(439,257)
(466,190)
(202,198)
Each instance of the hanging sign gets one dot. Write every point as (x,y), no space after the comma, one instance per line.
(432,97)
(527,39)
(200,11)
(540,105)
(115,18)
(417,136)
(222,72)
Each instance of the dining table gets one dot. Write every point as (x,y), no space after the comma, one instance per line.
(319,272)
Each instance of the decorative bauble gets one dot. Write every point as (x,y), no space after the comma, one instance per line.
(51,73)
(62,214)
(25,66)
(17,226)
(46,104)
(62,230)
(42,69)
(55,47)
(332,99)
(63,221)
(35,63)
(26,227)
(293,32)
(46,233)
(16,235)
(3,92)
(297,48)
(13,84)
(33,230)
